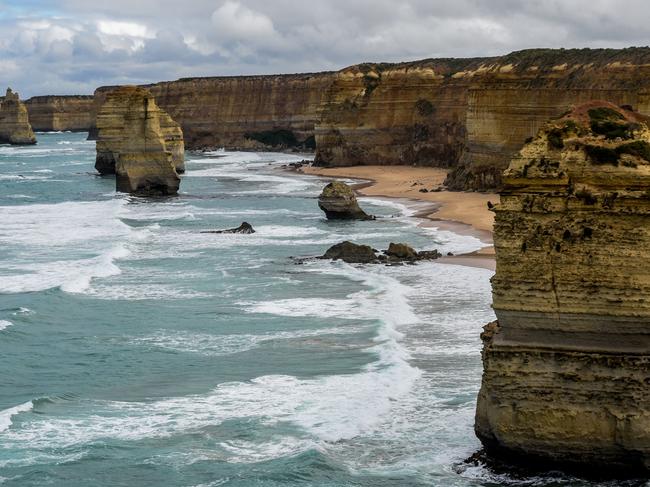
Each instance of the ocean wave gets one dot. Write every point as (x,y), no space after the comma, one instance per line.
(219,345)
(73,276)
(327,409)
(68,244)
(4,324)
(7,414)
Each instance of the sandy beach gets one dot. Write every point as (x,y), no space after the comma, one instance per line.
(462,212)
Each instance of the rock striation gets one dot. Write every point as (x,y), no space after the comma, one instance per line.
(275,112)
(339,202)
(567,364)
(61,113)
(138,142)
(14,121)
(469,115)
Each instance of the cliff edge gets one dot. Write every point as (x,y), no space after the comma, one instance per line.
(567,364)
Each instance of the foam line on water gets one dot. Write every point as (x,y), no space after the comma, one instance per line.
(4,324)
(7,414)
(327,409)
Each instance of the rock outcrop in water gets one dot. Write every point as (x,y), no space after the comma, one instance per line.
(61,113)
(245,228)
(397,253)
(135,144)
(567,364)
(14,121)
(339,202)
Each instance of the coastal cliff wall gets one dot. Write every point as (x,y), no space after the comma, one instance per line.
(567,364)
(61,113)
(470,115)
(242,112)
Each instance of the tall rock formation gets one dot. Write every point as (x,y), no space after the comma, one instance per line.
(14,121)
(567,364)
(61,113)
(135,143)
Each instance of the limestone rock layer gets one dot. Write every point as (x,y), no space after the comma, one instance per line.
(61,113)
(14,121)
(139,143)
(567,364)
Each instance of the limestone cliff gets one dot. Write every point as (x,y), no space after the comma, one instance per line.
(60,113)
(14,121)
(470,115)
(134,143)
(567,364)
(242,112)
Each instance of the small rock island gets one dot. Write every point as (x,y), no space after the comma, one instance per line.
(567,364)
(139,143)
(15,128)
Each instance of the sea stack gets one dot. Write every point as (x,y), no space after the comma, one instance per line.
(567,364)
(14,121)
(339,202)
(139,143)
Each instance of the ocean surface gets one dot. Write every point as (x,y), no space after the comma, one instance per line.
(137,351)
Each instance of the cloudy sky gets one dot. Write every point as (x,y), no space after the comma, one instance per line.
(74,46)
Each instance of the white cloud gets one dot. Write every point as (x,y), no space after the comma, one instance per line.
(234,21)
(87,43)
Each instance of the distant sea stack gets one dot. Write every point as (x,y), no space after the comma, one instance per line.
(139,143)
(567,364)
(14,121)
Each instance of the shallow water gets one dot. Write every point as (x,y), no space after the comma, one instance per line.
(137,351)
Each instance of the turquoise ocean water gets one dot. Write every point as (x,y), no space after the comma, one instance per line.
(136,351)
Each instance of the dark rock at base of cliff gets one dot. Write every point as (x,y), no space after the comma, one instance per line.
(339,203)
(244,228)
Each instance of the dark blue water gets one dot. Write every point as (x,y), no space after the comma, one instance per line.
(137,351)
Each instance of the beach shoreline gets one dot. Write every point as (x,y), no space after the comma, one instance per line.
(464,213)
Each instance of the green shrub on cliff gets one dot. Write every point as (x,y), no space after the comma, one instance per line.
(638,148)
(602,155)
(274,138)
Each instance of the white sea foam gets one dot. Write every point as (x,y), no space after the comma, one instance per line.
(5,324)
(218,345)
(62,245)
(7,414)
(328,409)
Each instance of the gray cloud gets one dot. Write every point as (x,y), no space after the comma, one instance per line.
(73,46)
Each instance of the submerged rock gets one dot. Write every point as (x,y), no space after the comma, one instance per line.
(245,228)
(339,202)
(135,144)
(567,364)
(14,121)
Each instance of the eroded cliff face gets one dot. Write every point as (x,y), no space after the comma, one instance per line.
(14,121)
(243,112)
(567,365)
(471,115)
(61,113)
(133,143)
